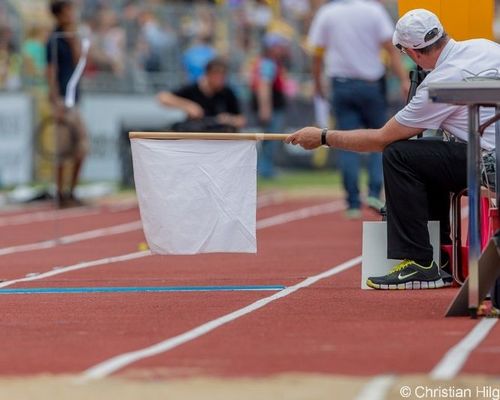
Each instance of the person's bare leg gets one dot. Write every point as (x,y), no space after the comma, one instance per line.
(60,184)
(77,166)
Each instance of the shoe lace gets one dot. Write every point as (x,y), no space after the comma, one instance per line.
(402,265)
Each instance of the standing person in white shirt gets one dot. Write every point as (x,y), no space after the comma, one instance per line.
(350,35)
(420,174)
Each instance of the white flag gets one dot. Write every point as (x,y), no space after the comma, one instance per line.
(197,196)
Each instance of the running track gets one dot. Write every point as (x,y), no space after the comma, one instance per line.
(324,325)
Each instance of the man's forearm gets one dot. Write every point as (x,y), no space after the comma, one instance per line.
(359,140)
(171,100)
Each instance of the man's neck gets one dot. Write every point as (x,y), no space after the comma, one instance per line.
(437,53)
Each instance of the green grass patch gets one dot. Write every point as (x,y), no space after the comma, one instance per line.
(306,179)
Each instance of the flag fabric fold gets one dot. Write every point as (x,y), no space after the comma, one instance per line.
(197,196)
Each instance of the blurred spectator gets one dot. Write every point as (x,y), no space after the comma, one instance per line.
(350,36)
(129,21)
(10,61)
(201,23)
(296,8)
(34,56)
(155,41)
(108,43)
(90,8)
(196,57)
(260,15)
(63,53)
(268,81)
(210,104)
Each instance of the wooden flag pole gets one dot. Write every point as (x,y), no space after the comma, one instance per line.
(207,136)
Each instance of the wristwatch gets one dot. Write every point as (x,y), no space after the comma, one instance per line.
(323,137)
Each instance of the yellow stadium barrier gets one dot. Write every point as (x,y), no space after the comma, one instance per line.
(462,19)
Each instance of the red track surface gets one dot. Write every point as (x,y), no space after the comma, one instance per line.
(330,327)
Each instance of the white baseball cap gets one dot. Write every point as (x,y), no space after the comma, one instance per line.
(417,29)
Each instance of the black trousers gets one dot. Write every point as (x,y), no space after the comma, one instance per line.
(419,176)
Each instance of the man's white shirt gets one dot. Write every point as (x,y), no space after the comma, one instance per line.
(351,33)
(457,62)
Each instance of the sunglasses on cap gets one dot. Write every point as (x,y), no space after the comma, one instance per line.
(431,35)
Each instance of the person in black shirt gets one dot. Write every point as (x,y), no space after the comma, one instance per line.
(209,101)
(63,53)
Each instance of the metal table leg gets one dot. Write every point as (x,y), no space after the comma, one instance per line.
(473,179)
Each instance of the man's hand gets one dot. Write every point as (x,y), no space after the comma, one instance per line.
(225,119)
(309,138)
(194,111)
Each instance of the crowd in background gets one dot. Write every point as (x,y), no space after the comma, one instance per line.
(143,46)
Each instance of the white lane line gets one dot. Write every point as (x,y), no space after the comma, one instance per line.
(302,213)
(456,357)
(116,363)
(376,388)
(78,237)
(270,199)
(47,215)
(51,214)
(277,221)
(75,267)
(447,368)
(55,215)
(453,361)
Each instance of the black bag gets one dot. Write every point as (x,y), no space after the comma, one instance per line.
(207,124)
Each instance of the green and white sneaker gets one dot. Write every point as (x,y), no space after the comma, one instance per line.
(375,204)
(409,275)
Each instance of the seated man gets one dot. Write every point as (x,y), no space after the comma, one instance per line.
(210,104)
(420,174)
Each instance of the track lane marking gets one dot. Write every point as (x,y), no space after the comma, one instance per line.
(51,214)
(56,215)
(456,357)
(68,239)
(118,362)
(376,388)
(48,215)
(75,267)
(295,215)
(380,390)
(301,213)
(447,368)
(142,289)
(325,208)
